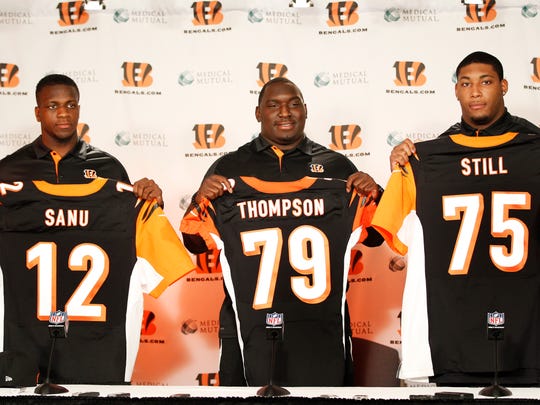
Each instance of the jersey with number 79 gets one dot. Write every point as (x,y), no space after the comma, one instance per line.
(285,248)
(91,250)
(467,213)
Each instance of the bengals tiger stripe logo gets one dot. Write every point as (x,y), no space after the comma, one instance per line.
(209,136)
(345,137)
(268,71)
(8,75)
(208,262)
(536,70)
(356,266)
(409,73)
(208,379)
(480,13)
(83,131)
(72,13)
(207,13)
(342,13)
(137,74)
(148,327)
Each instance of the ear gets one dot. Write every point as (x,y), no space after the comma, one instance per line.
(504,86)
(258,114)
(36,112)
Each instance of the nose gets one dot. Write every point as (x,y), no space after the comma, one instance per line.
(475,90)
(284,111)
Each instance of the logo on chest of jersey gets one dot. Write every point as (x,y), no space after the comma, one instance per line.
(90,174)
(316,168)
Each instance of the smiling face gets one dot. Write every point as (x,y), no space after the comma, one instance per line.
(480,92)
(282,114)
(58,113)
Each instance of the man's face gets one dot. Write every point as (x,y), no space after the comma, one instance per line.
(58,113)
(480,93)
(282,114)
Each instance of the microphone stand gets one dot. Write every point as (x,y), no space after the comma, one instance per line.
(495,333)
(47,387)
(272,390)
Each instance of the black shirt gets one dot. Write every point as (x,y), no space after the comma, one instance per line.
(258,158)
(507,123)
(81,165)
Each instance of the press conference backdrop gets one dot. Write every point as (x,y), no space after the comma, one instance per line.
(168,86)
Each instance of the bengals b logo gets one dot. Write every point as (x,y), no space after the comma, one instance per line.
(208,262)
(137,74)
(207,13)
(342,13)
(148,327)
(83,131)
(8,75)
(536,70)
(208,379)
(72,13)
(268,71)
(345,137)
(480,13)
(409,73)
(209,136)
(356,266)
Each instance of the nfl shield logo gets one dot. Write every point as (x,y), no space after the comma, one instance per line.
(274,319)
(495,318)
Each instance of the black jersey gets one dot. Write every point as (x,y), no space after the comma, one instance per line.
(285,248)
(89,249)
(467,212)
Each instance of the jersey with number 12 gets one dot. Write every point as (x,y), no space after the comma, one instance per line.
(91,250)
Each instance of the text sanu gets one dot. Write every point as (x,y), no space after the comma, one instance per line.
(483,166)
(61,217)
(281,207)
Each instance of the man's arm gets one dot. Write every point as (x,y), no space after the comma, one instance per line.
(147,189)
(211,188)
(400,153)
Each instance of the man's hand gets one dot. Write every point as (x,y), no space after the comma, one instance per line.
(364,185)
(400,154)
(148,190)
(212,187)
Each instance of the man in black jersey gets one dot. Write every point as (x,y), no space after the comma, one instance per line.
(282,152)
(58,155)
(480,90)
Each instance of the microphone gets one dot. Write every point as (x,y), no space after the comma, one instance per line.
(274,326)
(58,324)
(495,325)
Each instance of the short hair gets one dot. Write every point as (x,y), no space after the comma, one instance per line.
(53,80)
(277,80)
(482,57)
